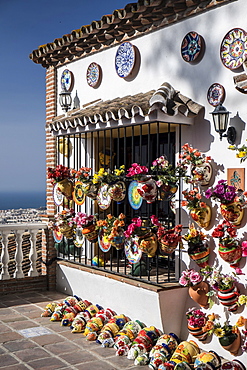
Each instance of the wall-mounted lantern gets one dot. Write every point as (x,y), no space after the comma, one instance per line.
(221,118)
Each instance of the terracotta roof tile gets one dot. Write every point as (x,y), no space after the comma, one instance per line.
(165,99)
(135,18)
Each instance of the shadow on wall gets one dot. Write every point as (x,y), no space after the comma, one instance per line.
(239,125)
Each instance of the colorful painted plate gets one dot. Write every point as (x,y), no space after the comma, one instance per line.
(125,59)
(103,244)
(134,197)
(78,193)
(103,197)
(191,47)
(58,236)
(132,251)
(233,50)
(216,94)
(57,195)
(67,80)
(93,74)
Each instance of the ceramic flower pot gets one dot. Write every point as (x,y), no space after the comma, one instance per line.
(198,293)
(167,191)
(166,248)
(232,212)
(66,188)
(207,358)
(67,231)
(79,238)
(229,297)
(199,253)
(148,244)
(231,253)
(186,351)
(202,216)
(233,365)
(90,233)
(202,173)
(118,240)
(147,189)
(197,332)
(117,191)
(231,342)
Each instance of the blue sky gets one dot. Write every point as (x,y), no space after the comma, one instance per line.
(24,25)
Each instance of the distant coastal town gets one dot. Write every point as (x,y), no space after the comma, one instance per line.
(29,215)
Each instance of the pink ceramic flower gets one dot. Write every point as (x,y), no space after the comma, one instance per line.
(195,278)
(244,249)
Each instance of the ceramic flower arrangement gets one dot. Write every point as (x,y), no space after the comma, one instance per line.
(167,173)
(112,229)
(229,337)
(136,171)
(82,174)
(82,219)
(63,222)
(200,325)
(201,170)
(59,173)
(198,248)
(199,210)
(198,288)
(168,238)
(190,277)
(229,246)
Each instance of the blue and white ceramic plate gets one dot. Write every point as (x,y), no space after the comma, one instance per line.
(134,197)
(125,59)
(67,80)
(93,74)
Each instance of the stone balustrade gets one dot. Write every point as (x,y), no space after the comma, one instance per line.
(18,230)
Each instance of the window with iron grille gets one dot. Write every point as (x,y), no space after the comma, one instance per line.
(112,147)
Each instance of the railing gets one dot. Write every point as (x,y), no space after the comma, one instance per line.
(14,235)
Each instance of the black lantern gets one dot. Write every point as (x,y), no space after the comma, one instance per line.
(65,100)
(221,118)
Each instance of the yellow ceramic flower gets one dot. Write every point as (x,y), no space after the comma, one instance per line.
(231,147)
(241,154)
(242,299)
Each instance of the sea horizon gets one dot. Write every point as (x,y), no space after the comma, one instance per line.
(22,199)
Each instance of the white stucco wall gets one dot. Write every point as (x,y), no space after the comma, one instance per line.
(161,61)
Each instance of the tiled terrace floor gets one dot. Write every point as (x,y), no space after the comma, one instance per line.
(55,347)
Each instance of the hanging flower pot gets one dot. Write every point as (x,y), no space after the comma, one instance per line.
(229,297)
(197,332)
(147,189)
(202,216)
(79,238)
(231,341)
(202,173)
(117,191)
(199,253)
(66,187)
(233,365)
(148,244)
(167,191)
(167,248)
(199,292)
(232,212)
(67,231)
(118,239)
(231,253)
(90,233)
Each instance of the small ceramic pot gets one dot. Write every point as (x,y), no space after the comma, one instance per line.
(167,191)
(229,297)
(90,233)
(202,216)
(148,244)
(67,231)
(231,253)
(233,365)
(165,248)
(202,173)
(231,342)
(198,293)
(232,212)
(66,188)
(199,253)
(147,189)
(197,332)
(117,191)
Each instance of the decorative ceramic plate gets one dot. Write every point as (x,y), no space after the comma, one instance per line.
(57,195)
(103,244)
(216,94)
(103,197)
(125,59)
(191,47)
(132,251)
(233,50)
(134,197)
(67,80)
(58,236)
(78,193)
(93,74)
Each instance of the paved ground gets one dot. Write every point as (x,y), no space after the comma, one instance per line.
(54,346)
